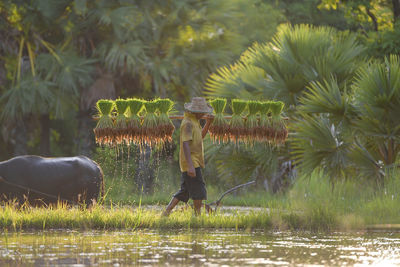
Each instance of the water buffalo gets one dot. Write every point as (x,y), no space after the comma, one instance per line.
(48,180)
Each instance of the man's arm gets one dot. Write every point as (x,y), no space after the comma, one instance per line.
(186,150)
(209,120)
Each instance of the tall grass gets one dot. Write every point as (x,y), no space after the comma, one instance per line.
(314,204)
(116,217)
(311,204)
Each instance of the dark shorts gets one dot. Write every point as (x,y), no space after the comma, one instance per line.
(192,187)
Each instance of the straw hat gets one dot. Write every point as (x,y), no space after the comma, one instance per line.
(198,105)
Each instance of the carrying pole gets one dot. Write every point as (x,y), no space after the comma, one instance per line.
(180,117)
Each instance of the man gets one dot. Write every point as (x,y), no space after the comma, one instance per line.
(191,155)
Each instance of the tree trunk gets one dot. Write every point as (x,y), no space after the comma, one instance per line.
(20,138)
(45,135)
(102,88)
(85,140)
(374,19)
(396,11)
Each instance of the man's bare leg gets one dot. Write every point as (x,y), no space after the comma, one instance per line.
(197,206)
(174,201)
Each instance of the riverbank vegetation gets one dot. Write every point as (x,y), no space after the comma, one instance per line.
(312,204)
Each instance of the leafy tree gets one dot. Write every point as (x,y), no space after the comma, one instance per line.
(309,12)
(377,21)
(379,13)
(33,90)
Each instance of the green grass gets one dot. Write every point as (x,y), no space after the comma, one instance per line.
(113,217)
(349,205)
(311,204)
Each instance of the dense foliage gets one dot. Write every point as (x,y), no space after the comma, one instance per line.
(328,61)
(59,58)
(343,104)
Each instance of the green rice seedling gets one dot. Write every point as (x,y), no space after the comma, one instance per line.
(237,129)
(134,122)
(121,128)
(165,126)
(278,124)
(264,123)
(104,128)
(219,129)
(150,122)
(270,132)
(252,121)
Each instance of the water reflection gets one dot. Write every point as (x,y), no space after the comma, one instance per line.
(198,248)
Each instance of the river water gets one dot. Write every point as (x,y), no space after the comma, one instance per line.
(197,248)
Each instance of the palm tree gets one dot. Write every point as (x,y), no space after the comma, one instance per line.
(294,68)
(377,99)
(354,132)
(48,83)
(284,68)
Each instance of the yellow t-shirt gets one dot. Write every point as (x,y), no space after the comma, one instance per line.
(191,131)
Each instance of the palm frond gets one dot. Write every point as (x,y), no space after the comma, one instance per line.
(300,43)
(238,163)
(317,142)
(366,162)
(122,19)
(241,169)
(122,57)
(31,95)
(51,10)
(344,61)
(238,80)
(303,54)
(328,98)
(377,91)
(70,73)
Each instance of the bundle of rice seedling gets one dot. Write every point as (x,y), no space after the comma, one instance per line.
(134,122)
(264,123)
(237,129)
(149,134)
(252,121)
(278,124)
(165,126)
(104,128)
(219,129)
(120,129)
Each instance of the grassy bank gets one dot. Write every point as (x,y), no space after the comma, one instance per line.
(350,204)
(311,204)
(123,218)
